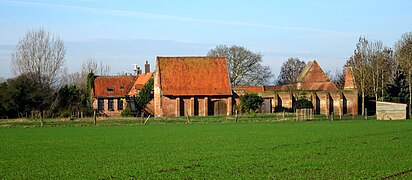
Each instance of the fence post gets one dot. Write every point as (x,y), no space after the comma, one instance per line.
(94,117)
(366,113)
(235,115)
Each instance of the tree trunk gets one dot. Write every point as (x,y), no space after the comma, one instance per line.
(41,119)
(382,84)
(363,102)
(410,92)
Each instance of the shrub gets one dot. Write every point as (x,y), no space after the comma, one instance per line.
(251,102)
(126,112)
(302,103)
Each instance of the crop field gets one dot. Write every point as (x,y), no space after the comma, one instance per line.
(247,150)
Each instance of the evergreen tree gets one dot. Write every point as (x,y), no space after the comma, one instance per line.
(398,89)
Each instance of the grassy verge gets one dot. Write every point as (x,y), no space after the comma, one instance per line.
(119,121)
(252,150)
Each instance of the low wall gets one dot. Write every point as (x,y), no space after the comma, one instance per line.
(390,111)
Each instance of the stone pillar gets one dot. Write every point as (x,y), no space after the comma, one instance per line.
(275,102)
(341,103)
(157,92)
(229,106)
(327,103)
(206,106)
(115,108)
(192,106)
(178,99)
(106,105)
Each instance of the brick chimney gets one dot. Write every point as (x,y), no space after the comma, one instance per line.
(147,68)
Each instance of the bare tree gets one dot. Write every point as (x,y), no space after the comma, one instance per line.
(359,61)
(80,78)
(290,71)
(389,67)
(403,48)
(245,67)
(339,79)
(375,61)
(90,65)
(40,54)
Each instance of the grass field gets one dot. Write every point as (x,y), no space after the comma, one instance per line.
(256,150)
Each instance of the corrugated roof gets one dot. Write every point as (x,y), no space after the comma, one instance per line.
(112,86)
(139,83)
(187,76)
(312,73)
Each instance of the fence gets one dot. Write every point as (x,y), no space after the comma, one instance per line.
(304,114)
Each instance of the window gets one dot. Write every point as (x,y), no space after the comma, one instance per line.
(100,104)
(110,105)
(121,87)
(110,89)
(119,104)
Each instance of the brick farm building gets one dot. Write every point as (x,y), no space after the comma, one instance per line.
(199,86)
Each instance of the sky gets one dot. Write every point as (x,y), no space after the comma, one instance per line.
(122,33)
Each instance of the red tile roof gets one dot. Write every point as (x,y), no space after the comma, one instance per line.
(120,84)
(349,79)
(318,86)
(139,83)
(280,87)
(312,78)
(249,89)
(187,76)
(312,73)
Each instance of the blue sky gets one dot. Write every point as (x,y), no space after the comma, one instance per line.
(121,33)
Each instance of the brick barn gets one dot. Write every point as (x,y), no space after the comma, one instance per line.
(315,86)
(110,92)
(192,86)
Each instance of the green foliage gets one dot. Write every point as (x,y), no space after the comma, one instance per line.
(68,100)
(300,150)
(398,90)
(144,96)
(90,85)
(251,102)
(22,95)
(302,103)
(126,112)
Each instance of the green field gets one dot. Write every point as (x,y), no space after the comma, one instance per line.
(252,150)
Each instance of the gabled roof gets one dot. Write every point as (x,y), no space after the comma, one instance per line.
(349,79)
(141,80)
(187,76)
(312,73)
(112,86)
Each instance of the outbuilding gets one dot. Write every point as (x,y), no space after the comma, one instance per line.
(390,110)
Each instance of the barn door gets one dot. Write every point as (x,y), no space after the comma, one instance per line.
(217,108)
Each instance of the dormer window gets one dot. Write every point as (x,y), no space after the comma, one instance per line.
(110,89)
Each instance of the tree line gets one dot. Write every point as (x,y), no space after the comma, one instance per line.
(43,86)
(382,72)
